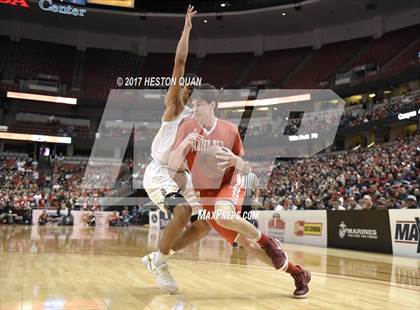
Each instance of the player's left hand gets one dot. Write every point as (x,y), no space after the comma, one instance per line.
(227,159)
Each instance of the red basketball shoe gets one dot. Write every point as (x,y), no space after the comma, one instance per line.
(302,279)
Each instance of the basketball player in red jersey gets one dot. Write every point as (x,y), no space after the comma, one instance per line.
(225,195)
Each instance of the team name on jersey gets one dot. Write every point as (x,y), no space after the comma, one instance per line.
(202,145)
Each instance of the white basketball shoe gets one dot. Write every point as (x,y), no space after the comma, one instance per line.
(161,273)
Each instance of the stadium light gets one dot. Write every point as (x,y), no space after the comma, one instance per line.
(35,138)
(43,98)
(263,102)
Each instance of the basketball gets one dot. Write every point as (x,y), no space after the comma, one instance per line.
(207,162)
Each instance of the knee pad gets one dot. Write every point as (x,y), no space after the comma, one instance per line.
(171,200)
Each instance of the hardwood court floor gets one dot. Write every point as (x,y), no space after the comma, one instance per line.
(84,268)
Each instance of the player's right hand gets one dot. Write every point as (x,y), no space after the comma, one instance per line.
(188,16)
(192,139)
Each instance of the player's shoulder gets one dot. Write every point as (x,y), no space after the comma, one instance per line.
(189,123)
(227,125)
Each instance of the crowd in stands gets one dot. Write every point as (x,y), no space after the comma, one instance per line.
(384,176)
(381,177)
(389,108)
(23,187)
(21,190)
(322,121)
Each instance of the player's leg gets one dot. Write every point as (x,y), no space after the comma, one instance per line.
(233,221)
(197,230)
(165,192)
(227,215)
(254,249)
(271,247)
(228,207)
(156,261)
(161,189)
(300,275)
(181,214)
(168,191)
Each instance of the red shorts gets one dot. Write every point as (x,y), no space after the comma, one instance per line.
(234,194)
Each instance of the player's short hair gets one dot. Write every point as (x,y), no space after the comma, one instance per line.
(206,92)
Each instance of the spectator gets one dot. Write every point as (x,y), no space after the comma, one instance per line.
(412,202)
(366,202)
(337,206)
(353,205)
(43,218)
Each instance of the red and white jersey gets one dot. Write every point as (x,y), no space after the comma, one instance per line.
(223,133)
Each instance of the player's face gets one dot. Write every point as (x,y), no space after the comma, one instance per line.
(203,111)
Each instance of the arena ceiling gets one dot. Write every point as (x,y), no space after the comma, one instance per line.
(285,19)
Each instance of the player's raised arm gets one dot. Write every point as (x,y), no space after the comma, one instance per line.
(173,96)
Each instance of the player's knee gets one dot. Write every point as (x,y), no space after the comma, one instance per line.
(246,243)
(225,214)
(179,207)
(223,222)
(182,213)
(242,241)
(203,227)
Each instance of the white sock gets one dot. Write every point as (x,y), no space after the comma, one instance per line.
(161,258)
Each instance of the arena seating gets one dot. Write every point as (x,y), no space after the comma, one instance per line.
(325,63)
(4,54)
(275,65)
(36,57)
(408,58)
(81,132)
(102,68)
(389,45)
(221,70)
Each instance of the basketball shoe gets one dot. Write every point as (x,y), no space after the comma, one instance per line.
(302,279)
(161,273)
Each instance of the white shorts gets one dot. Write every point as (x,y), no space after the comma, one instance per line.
(158,181)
